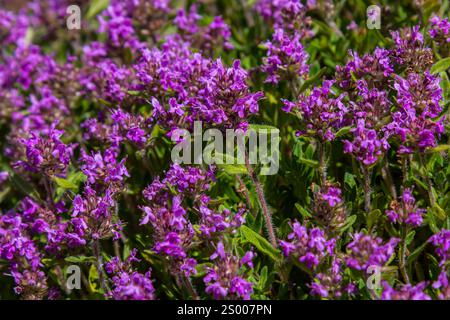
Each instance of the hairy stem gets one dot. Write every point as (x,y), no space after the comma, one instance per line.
(243,189)
(49,190)
(387,177)
(402,254)
(262,201)
(404,161)
(367,189)
(428,180)
(193,293)
(99,265)
(322,163)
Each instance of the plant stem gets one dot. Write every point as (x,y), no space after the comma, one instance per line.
(244,190)
(322,163)
(387,177)
(190,288)
(428,181)
(402,254)
(99,265)
(404,161)
(49,191)
(367,189)
(262,201)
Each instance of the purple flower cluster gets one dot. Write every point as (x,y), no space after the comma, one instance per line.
(442,284)
(366,146)
(117,23)
(406,211)
(23,257)
(94,212)
(13,27)
(330,284)
(47,154)
(328,207)
(225,278)
(129,284)
(405,292)
(321,112)
(220,95)
(440,30)
(365,251)
(174,232)
(286,58)
(289,15)
(419,98)
(309,247)
(441,241)
(207,38)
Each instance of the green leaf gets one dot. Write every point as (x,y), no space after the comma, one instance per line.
(64,183)
(440,66)
(439,148)
(438,212)
(302,211)
(309,162)
(96,7)
(4,193)
(372,218)
(202,268)
(259,127)
(313,79)
(260,243)
(343,131)
(23,186)
(410,237)
(348,223)
(93,279)
(349,179)
(416,253)
(233,169)
(263,278)
(79,259)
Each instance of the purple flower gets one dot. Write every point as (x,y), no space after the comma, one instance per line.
(410,51)
(46,154)
(442,284)
(441,241)
(206,38)
(118,25)
(127,283)
(331,284)
(440,30)
(322,114)
(405,292)
(328,207)
(365,251)
(104,169)
(22,256)
(289,15)
(286,58)
(378,65)
(13,27)
(309,247)
(225,278)
(406,211)
(367,146)
(332,196)
(3,176)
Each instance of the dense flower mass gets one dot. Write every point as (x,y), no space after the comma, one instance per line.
(90,113)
